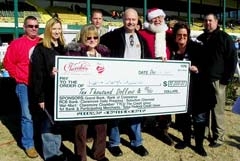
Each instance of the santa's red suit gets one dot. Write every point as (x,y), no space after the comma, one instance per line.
(156,36)
(156,42)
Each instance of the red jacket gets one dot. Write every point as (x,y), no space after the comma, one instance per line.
(149,37)
(16,59)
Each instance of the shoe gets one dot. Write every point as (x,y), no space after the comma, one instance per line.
(140,150)
(201,151)
(214,145)
(166,138)
(31,152)
(58,158)
(181,145)
(104,159)
(115,151)
(63,158)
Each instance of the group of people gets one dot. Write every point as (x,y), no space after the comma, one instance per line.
(30,60)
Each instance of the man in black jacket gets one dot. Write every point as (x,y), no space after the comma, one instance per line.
(125,42)
(221,59)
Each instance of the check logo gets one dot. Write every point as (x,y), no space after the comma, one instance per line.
(100,69)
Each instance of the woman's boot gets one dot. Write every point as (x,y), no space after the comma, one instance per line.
(185,126)
(186,139)
(164,122)
(199,130)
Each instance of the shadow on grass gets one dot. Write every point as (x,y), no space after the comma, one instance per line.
(12,123)
(235,143)
(10,110)
(10,113)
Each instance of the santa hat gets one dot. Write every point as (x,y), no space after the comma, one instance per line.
(155,12)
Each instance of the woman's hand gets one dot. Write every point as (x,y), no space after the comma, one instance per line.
(194,69)
(54,71)
(42,105)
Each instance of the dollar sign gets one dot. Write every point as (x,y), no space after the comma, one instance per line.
(165,83)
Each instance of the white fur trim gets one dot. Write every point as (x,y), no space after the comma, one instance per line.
(146,25)
(155,13)
(160,45)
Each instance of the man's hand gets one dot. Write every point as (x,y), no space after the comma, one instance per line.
(42,105)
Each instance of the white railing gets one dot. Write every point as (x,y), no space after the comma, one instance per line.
(237,71)
(3,50)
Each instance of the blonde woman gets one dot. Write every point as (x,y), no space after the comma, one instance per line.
(89,46)
(42,82)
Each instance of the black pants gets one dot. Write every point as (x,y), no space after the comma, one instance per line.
(185,121)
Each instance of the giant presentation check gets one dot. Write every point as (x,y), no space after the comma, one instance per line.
(102,88)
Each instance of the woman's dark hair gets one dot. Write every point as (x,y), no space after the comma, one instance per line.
(181,25)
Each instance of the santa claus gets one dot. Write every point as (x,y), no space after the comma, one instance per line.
(154,33)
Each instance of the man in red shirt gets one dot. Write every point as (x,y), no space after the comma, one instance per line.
(16,62)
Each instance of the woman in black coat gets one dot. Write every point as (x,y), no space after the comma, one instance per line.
(42,84)
(201,93)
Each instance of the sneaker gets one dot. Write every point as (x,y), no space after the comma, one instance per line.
(31,152)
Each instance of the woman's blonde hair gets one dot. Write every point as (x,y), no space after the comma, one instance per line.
(48,33)
(86,31)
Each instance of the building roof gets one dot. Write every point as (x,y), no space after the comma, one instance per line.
(214,6)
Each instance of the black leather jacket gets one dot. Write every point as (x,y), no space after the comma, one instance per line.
(115,41)
(220,55)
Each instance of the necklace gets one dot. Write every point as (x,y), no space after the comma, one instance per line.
(91,54)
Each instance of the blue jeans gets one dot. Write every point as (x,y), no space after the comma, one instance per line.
(135,126)
(26,117)
(51,142)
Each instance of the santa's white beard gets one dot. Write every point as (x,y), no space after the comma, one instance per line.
(160,45)
(160,38)
(157,28)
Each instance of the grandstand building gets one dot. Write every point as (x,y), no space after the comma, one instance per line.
(73,13)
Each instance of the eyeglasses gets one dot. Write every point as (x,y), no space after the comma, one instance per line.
(33,26)
(182,35)
(93,37)
(131,40)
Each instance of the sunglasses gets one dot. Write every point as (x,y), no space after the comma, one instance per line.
(94,37)
(33,26)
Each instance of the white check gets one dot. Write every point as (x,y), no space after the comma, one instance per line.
(102,88)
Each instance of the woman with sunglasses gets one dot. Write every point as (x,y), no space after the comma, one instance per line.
(89,46)
(201,89)
(42,85)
